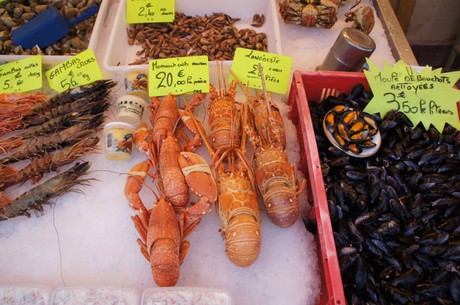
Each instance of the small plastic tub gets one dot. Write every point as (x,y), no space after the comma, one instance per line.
(185,296)
(118,141)
(130,109)
(137,82)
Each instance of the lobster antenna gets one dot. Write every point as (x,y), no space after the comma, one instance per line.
(356,4)
(264,86)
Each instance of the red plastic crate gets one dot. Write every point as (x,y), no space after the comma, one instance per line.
(309,86)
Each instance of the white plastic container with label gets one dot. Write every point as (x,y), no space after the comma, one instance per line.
(130,109)
(118,141)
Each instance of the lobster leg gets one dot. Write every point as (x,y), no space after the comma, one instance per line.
(133,186)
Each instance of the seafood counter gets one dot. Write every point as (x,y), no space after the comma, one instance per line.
(235,234)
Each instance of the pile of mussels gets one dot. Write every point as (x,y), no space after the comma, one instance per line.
(395,214)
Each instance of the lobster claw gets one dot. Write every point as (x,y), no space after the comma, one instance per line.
(198,175)
(200,181)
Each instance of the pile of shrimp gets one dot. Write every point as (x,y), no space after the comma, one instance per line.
(40,135)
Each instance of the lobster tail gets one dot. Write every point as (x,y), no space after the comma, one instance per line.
(243,240)
(165,263)
(282,206)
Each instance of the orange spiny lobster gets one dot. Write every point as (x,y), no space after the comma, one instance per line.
(237,205)
(163,229)
(275,176)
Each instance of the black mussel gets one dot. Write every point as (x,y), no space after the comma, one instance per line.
(390,115)
(382,247)
(454,288)
(400,296)
(366,217)
(372,250)
(329,121)
(432,250)
(348,117)
(402,118)
(310,226)
(357,126)
(347,262)
(347,250)
(433,289)
(446,201)
(348,191)
(449,224)
(387,125)
(361,273)
(415,179)
(407,278)
(356,92)
(435,238)
(390,227)
(356,175)
(340,240)
(355,233)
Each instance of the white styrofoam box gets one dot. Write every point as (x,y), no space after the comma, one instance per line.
(185,296)
(49,61)
(94,296)
(120,53)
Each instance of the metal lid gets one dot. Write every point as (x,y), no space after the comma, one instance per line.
(349,51)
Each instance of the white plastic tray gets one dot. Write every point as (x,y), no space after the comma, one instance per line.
(185,296)
(120,53)
(50,61)
(23,295)
(94,296)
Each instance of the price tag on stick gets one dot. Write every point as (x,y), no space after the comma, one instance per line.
(426,96)
(148,11)
(178,75)
(82,69)
(277,69)
(21,75)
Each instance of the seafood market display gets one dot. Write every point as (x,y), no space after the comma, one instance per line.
(214,36)
(15,13)
(164,228)
(323,13)
(49,134)
(395,214)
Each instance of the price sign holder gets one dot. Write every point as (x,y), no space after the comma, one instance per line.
(276,68)
(178,75)
(21,75)
(149,11)
(82,69)
(427,96)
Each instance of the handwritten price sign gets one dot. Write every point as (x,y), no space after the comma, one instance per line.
(21,75)
(276,69)
(178,75)
(427,97)
(80,70)
(145,11)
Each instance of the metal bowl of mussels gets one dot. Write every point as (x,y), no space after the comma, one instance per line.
(354,132)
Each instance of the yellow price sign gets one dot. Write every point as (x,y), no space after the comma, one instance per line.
(178,75)
(427,96)
(82,69)
(276,69)
(145,11)
(21,75)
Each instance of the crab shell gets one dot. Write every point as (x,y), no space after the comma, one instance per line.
(198,175)
(363,18)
